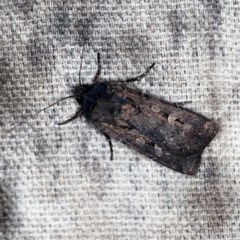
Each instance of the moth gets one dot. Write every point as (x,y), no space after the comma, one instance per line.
(160,130)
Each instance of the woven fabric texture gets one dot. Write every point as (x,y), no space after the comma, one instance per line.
(57,182)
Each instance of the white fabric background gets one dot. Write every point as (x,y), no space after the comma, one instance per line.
(57,182)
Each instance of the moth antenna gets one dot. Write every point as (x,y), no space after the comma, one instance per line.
(52,104)
(36,114)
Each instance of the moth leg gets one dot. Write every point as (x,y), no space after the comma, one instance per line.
(181,104)
(110,145)
(138,78)
(77,114)
(98,73)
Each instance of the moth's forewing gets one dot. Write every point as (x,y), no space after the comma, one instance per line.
(160,130)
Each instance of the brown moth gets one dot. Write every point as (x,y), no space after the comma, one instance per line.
(160,130)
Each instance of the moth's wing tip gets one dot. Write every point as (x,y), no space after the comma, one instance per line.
(192,164)
(192,172)
(188,165)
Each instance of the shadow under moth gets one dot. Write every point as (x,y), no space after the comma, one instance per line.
(160,130)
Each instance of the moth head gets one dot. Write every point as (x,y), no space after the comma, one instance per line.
(79,91)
